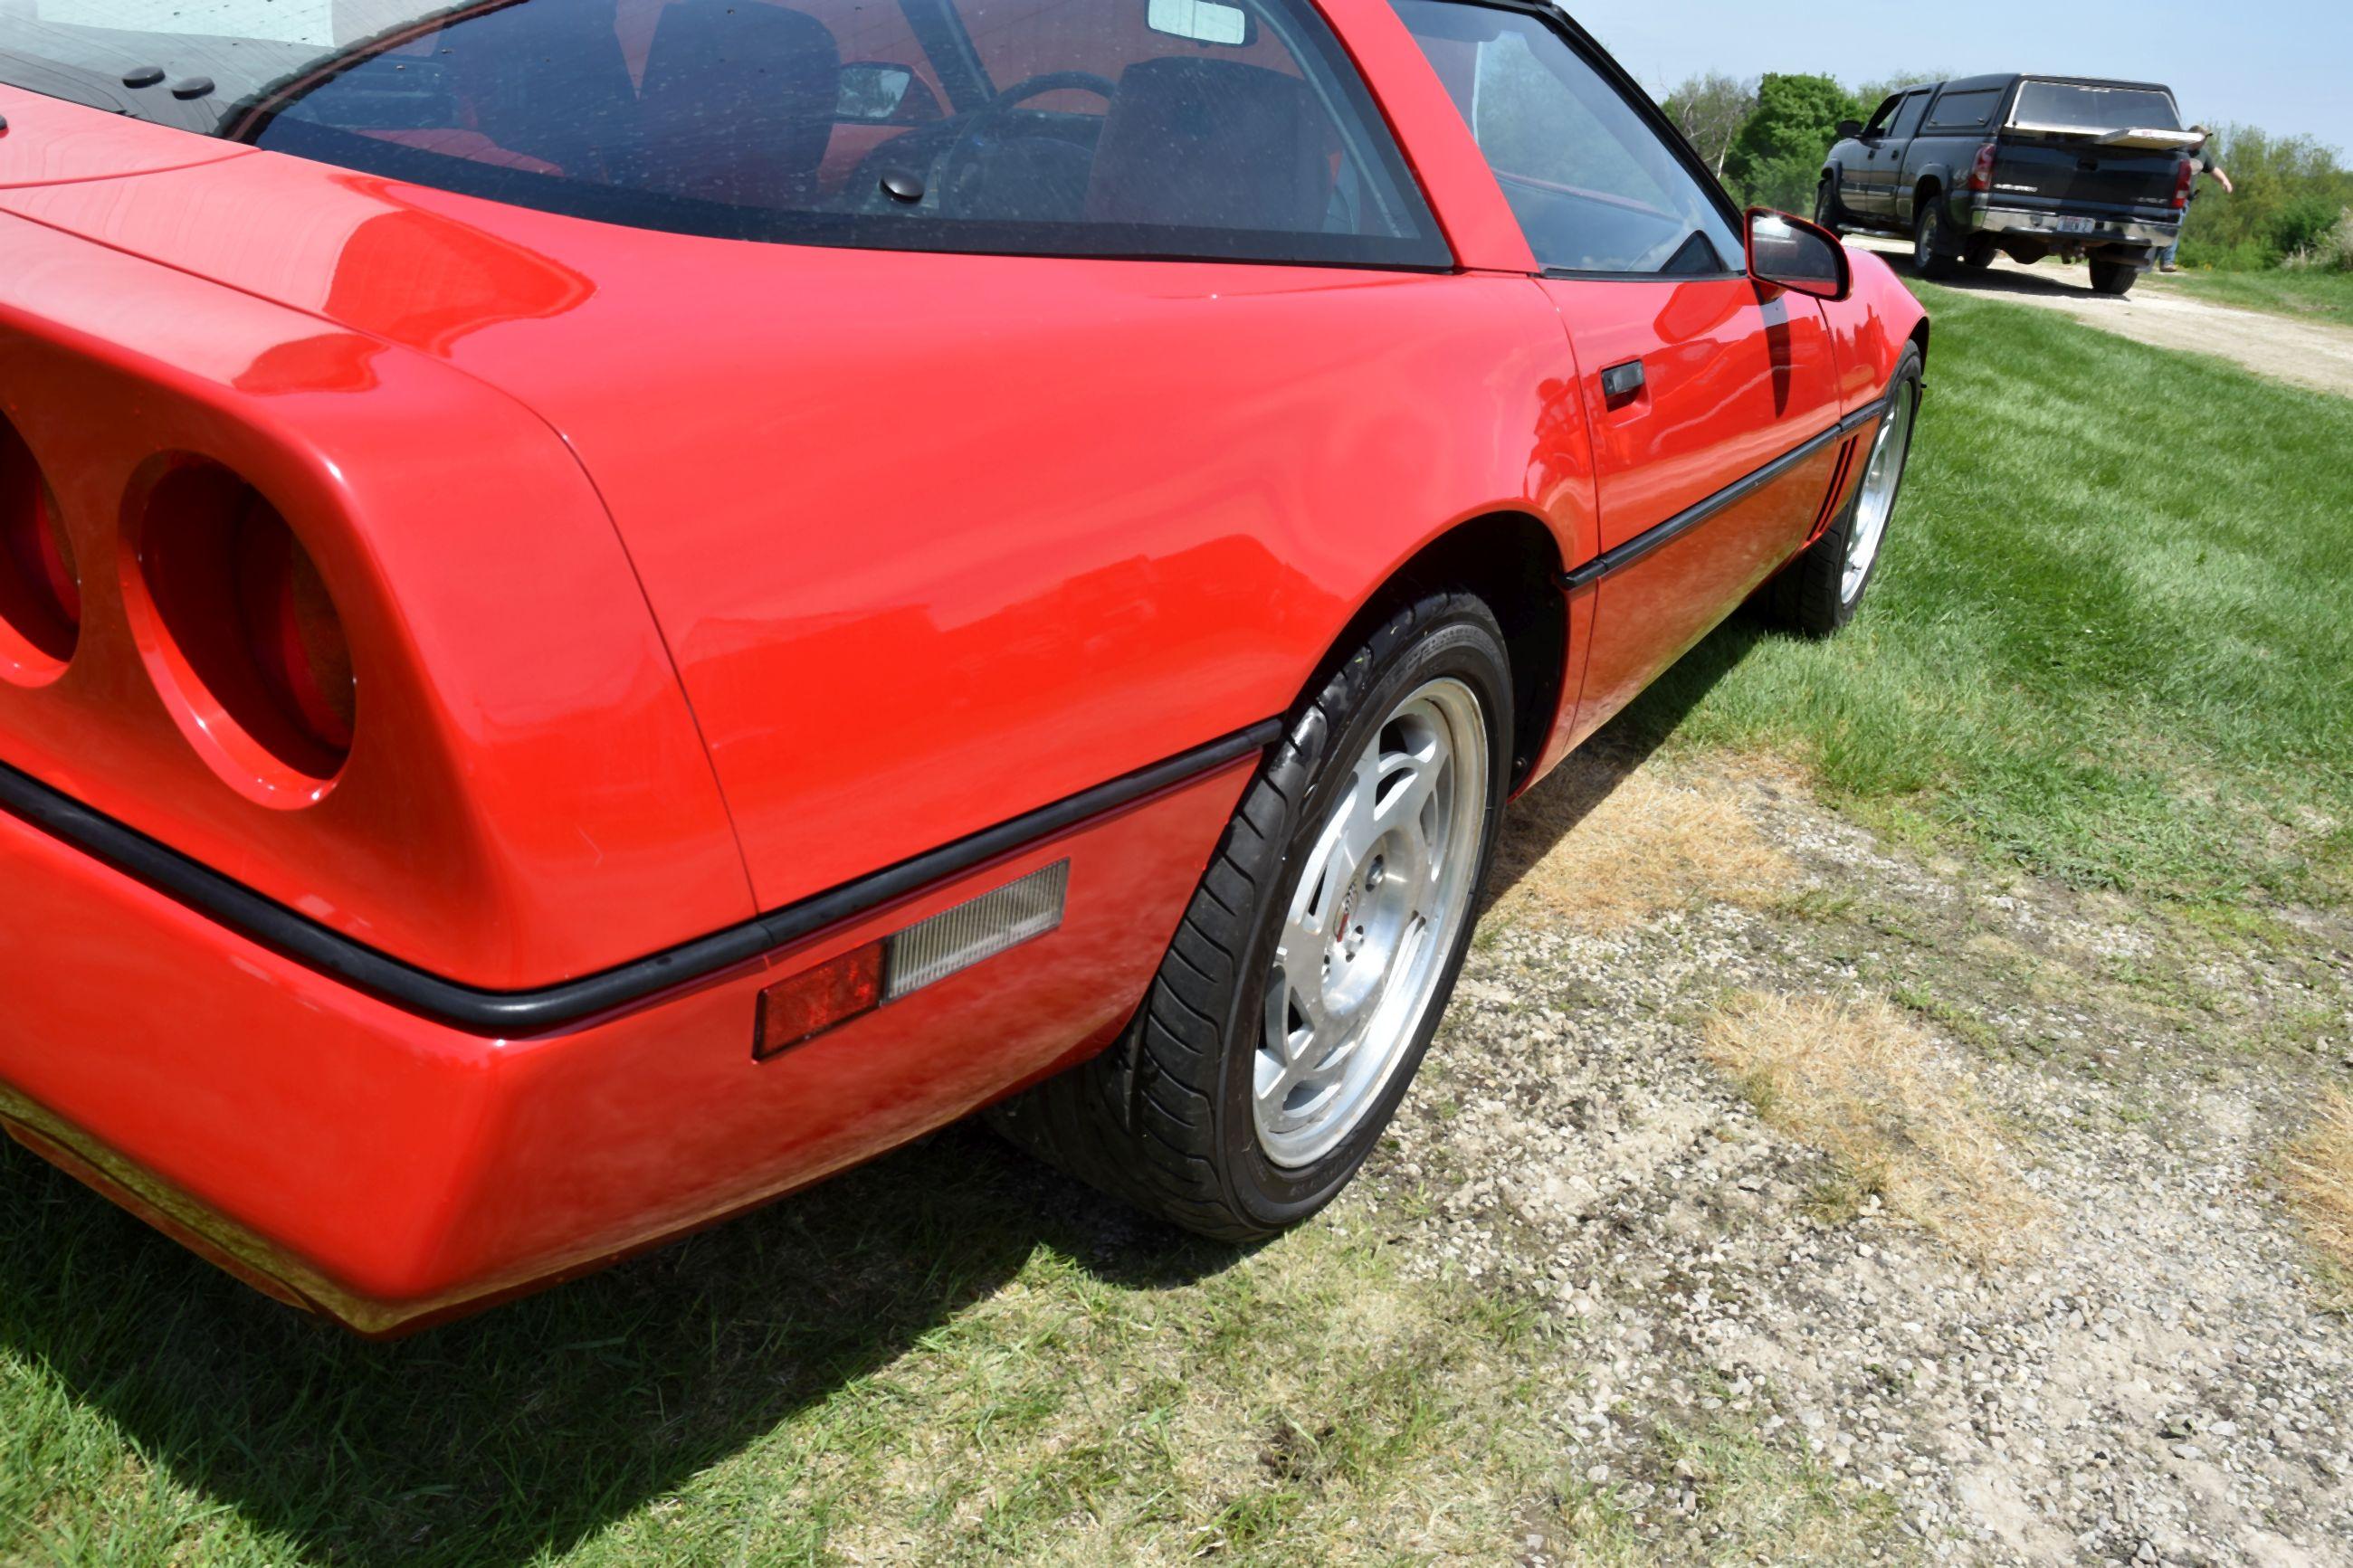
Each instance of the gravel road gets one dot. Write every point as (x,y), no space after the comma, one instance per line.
(2315,354)
(2146,1366)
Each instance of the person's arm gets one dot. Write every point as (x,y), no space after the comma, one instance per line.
(2228,188)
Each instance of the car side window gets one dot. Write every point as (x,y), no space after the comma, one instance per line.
(1908,119)
(1879,121)
(1963,110)
(1595,184)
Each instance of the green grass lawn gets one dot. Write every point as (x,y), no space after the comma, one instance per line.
(2110,644)
(2313,296)
(2111,638)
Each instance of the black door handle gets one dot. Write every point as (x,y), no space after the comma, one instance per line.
(1621,382)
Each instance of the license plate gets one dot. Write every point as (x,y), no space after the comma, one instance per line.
(2073,224)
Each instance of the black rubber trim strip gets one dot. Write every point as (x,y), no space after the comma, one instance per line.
(536,1011)
(1691,517)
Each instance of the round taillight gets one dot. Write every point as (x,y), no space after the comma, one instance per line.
(241,635)
(295,635)
(40,586)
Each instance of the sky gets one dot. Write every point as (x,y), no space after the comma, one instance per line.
(2285,65)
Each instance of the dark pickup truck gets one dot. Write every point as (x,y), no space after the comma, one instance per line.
(2028,165)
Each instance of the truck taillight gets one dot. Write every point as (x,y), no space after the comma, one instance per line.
(2184,178)
(1981,171)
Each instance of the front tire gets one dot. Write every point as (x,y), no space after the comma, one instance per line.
(1829,212)
(1819,592)
(2112,278)
(1317,955)
(1932,251)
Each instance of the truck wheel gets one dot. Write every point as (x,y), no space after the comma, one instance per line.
(1817,593)
(1932,255)
(1979,254)
(2113,277)
(1318,952)
(1828,211)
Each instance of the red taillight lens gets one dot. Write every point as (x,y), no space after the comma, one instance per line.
(2183,180)
(290,625)
(815,1000)
(243,640)
(40,586)
(1981,171)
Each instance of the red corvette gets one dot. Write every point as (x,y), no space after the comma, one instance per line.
(608,606)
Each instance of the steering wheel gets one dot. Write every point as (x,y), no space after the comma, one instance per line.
(960,164)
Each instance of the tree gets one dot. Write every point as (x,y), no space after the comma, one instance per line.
(1777,159)
(1710,111)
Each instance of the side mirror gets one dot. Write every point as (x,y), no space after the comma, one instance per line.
(875,92)
(1848,129)
(1790,253)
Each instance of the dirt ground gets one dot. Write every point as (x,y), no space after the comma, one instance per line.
(1968,1191)
(2313,354)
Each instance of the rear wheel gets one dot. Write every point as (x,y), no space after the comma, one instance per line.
(1828,212)
(2113,277)
(1318,952)
(1979,254)
(1932,254)
(1819,592)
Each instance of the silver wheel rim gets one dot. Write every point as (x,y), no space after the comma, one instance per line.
(1382,895)
(1922,251)
(1877,497)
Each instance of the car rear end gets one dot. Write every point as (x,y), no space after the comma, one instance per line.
(370,914)
(2083,167)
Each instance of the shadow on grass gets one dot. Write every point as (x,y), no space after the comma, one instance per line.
(527,1430)
(530,1427)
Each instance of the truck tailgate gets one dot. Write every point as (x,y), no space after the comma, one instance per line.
(2075,175)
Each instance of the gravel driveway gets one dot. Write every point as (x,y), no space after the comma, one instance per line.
(2135,1359)
(2315,354)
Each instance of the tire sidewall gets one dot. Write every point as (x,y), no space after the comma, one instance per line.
(1907,367)
(1465,644)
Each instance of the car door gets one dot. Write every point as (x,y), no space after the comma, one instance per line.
(1862,175)
(1887,157)
(1697,383)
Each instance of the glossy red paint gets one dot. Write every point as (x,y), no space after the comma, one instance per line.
(387,1169)
(668,606)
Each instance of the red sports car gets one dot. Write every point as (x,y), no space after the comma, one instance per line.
(608,606)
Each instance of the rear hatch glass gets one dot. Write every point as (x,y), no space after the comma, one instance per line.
(2077,106)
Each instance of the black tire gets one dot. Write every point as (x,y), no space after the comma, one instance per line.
(1809,594)
(1932,245)
(2115,277)
(1163,1118)
(1829,212)
(1979,254)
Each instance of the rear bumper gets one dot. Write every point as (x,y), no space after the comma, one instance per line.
(2071,228)
(387,1169)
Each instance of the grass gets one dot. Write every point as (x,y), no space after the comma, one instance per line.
(2310,296)
(1861,1083)
(2320,1169)
(2098,648)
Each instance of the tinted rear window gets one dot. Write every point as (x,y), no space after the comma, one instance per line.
(1180,128)
(2076,108)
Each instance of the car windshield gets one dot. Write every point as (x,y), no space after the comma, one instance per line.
(1175,128)
(2074,107)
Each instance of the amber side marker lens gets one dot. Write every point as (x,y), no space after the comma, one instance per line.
(793,1011)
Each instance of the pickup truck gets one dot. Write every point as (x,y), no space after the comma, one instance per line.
(2032,166)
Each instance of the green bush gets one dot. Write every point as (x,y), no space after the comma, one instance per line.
(2299,226)
(1777,159)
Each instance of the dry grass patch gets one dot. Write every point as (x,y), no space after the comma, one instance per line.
(2320,1168)
(1600,844)
(1863,1083)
